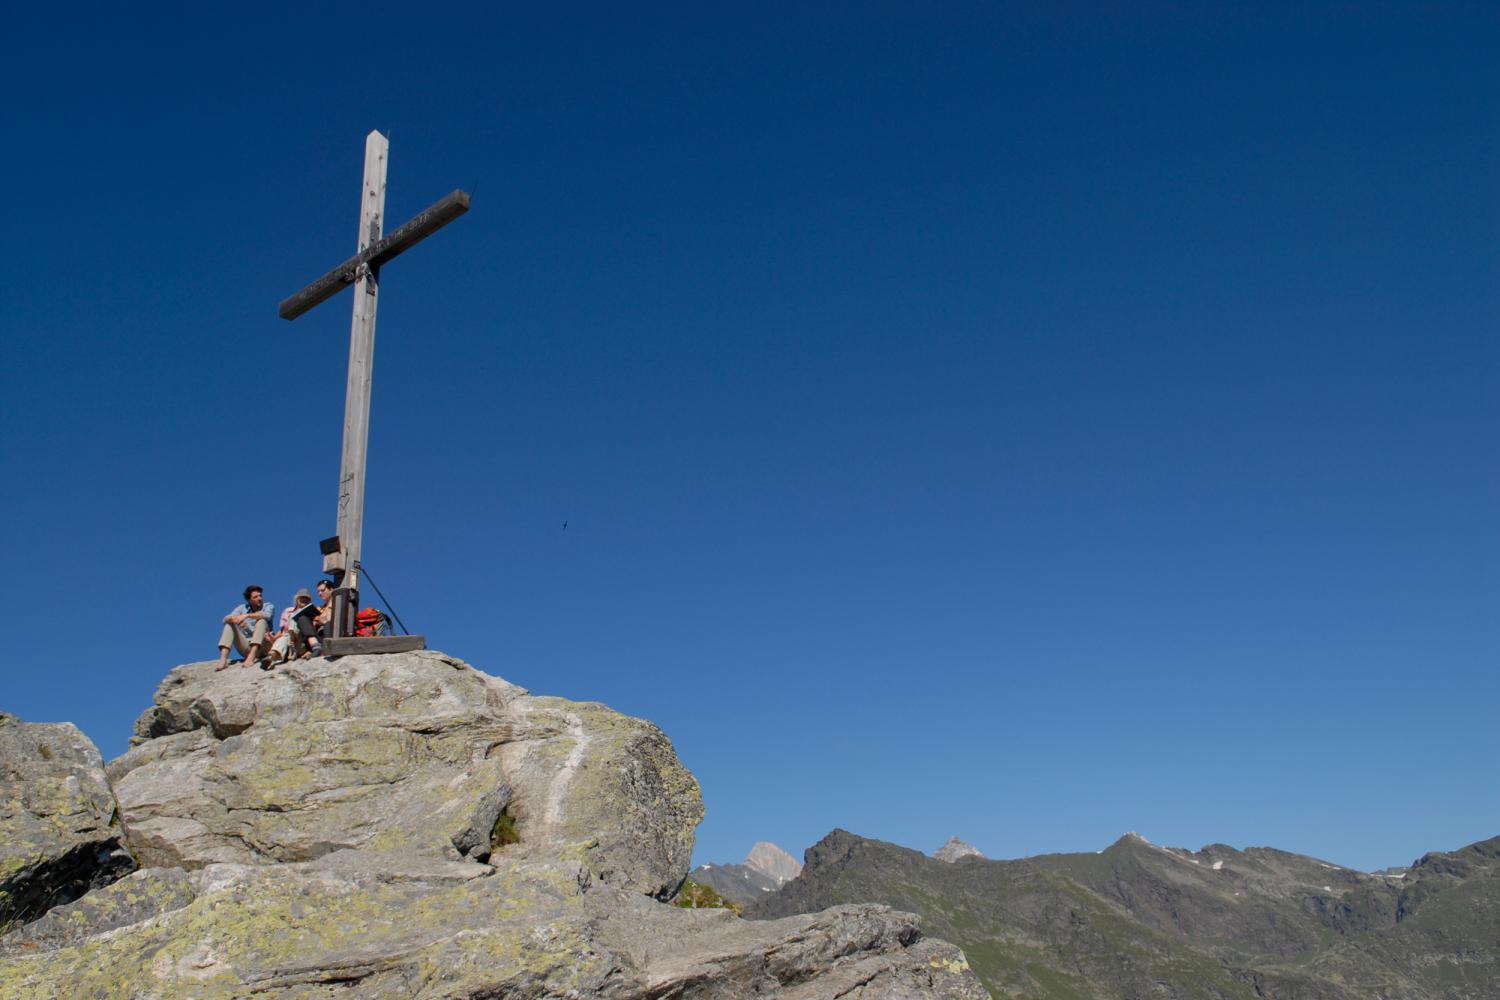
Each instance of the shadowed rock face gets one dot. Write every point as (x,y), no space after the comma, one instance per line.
(405,826)
(59,833)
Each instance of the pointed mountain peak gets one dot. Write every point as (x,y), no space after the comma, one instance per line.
(955,849)
(1131,837)
(773,862)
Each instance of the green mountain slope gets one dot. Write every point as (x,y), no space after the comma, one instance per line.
(1138,920)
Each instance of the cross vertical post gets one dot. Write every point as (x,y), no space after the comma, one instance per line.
(351,512)
(341,554)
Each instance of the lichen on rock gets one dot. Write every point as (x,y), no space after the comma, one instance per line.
(414,751)
(60,833)
(405,826)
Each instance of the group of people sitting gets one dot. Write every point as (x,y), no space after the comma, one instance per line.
(299,633)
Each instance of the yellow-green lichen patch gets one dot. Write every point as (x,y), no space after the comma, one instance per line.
(326,697)
(302,926)
(954,965)
(281,767)
(556,749)
(52,802)
(24,856)
(387,840)
(578,850)
(557,956)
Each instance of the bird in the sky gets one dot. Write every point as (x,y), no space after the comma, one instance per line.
(565,525)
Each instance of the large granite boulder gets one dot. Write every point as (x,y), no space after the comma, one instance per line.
(457,931)
(297,930)
(60,835)
(404,826)
(413,752)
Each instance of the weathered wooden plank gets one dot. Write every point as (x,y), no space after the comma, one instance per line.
(421,226)
(403,239)
(321,290)
(350,645)
(351,511)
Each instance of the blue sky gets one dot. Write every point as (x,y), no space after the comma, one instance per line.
(1029,426)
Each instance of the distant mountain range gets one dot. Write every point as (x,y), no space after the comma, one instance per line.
(1139,921)
(766,869)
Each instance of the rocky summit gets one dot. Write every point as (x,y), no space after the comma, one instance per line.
(768,859)
(956,850)
(416,754)
(394,826)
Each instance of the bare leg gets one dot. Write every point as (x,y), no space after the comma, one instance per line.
(228,636)
(258,644)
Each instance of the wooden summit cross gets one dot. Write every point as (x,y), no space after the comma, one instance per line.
(341,554)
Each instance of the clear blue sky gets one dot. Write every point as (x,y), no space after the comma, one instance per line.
(1026,426)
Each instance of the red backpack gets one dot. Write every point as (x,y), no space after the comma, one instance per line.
(369,621)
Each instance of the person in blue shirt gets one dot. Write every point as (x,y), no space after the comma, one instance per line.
(246,628)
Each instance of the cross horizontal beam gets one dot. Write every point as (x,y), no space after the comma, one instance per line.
(418,229)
